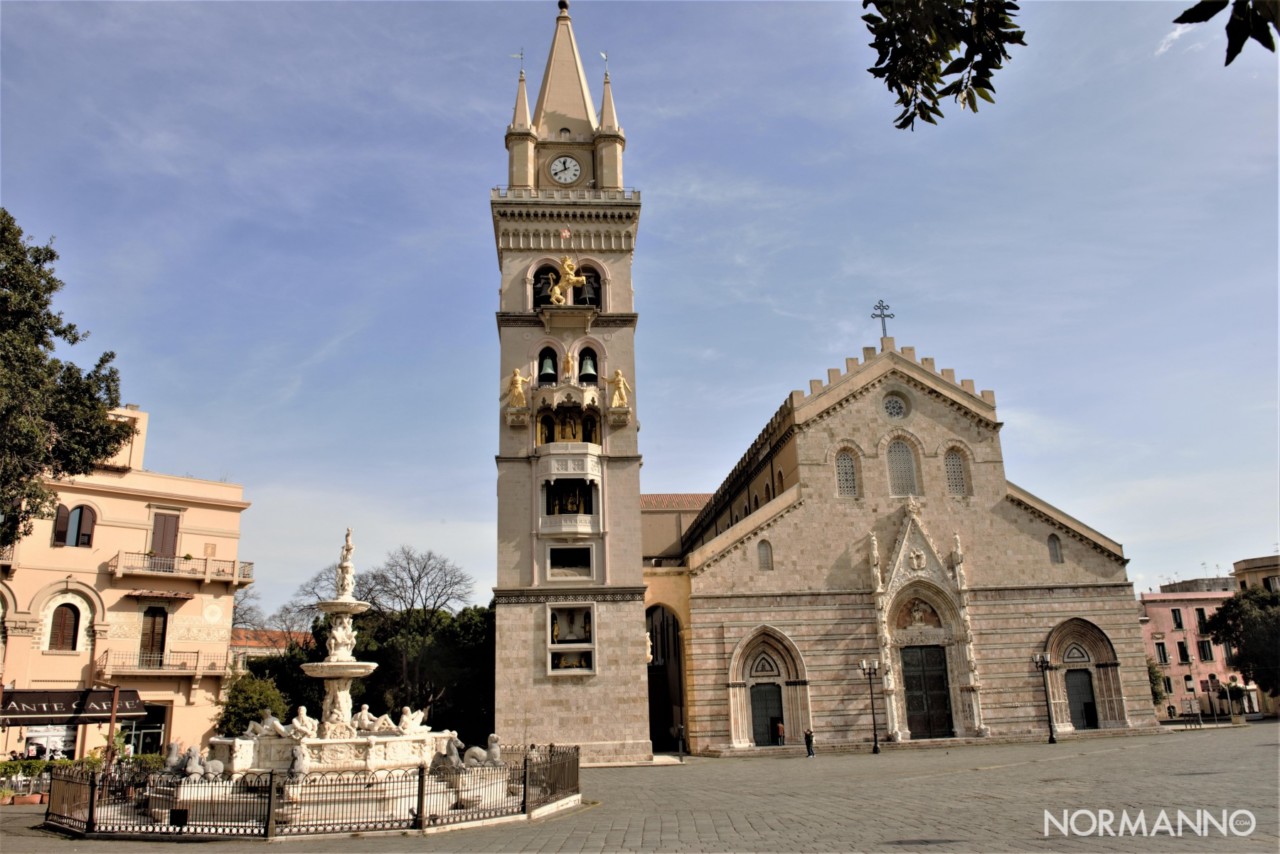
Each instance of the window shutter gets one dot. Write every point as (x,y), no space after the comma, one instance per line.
(65,627)
(87,520)
(164,535)
(60,525)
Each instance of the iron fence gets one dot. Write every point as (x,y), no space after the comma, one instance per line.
(275,804)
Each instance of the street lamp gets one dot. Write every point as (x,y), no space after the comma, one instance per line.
(1041,661)
(871,668)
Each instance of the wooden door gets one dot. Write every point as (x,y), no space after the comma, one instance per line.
(928,691)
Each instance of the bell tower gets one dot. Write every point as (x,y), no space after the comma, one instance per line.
(571,645)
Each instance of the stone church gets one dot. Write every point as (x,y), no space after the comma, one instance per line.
(865,571)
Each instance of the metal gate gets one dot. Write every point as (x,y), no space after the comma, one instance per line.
(766,712)
(1084,709)
(927,691)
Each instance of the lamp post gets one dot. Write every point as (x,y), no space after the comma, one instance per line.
(1042,663)
(871,668)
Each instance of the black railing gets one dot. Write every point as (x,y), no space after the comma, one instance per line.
(278,804)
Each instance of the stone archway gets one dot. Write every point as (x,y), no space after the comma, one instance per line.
(1084,678)
(931,690)
(767,677)
(666,678)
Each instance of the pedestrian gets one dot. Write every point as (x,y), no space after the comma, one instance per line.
(781,732)
(808,742)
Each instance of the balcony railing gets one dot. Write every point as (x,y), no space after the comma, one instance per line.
(204,568)
(168,663)
(6,552)
(569,525)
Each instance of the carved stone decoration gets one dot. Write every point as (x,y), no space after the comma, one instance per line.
(917,612)
(875,564)
(957,561)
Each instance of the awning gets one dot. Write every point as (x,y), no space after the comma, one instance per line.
(24,707)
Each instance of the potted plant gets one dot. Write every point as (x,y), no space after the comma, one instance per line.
(29,798)
(6,797)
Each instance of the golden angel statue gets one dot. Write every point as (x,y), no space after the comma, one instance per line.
(620,388)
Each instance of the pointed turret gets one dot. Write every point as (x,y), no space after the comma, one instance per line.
(608,115)
(610,142)
(564,102)
(521,142)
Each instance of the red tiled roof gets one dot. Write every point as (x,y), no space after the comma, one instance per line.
(266,638)
(674,500)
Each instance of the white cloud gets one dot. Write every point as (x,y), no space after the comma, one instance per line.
(1176,33)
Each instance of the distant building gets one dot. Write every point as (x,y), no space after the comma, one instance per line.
(131,585)
(262,643)
(1200,585)
(1261,572)
(1193,667)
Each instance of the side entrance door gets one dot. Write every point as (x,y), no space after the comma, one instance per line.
(1084,710)
(766,711)
(927,691)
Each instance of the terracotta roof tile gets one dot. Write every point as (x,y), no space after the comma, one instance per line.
(674,500)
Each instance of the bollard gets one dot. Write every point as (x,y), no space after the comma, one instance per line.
(91,821)
(420,820)
(271,805)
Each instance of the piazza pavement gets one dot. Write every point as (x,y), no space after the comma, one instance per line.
(967,798)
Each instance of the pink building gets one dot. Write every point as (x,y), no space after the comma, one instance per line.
(1193,666)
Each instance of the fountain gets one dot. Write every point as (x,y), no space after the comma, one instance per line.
(339,740)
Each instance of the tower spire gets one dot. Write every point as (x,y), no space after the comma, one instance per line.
(608,115)
(520,117)
(564,101)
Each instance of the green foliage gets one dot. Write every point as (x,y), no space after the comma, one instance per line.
(244,701)
(145,763)
(1249,623)
(921,43)
(1249,19)
(54,418)
(285,672)
(1156,677)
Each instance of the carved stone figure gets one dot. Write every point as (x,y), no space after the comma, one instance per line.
(410,721)
(875,563)
(448,761)
(489,758)
(173,760)
(917,559)
(300,763)
(618,383)
(342,638)
(346,571)
(302,726)
(269,725)
(568,365)
(515,390)
(363,719)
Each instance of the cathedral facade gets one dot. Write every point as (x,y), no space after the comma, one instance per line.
(865,572)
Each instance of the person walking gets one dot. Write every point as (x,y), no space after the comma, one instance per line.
(808,742)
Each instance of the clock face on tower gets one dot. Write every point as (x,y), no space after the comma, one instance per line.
(565,170)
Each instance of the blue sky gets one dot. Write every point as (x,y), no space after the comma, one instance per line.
(277,215)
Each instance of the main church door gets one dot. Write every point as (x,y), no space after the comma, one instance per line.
(766,712)
(1084,709)
(927,691)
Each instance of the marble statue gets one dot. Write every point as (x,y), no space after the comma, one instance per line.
(346,571)
(410,720)
(342,638)
(269,725)
(302,726)
(363,719)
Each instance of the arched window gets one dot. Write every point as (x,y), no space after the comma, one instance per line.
(902,469)
(768,492)
(543,279)
(846,475)
(755,502)
(588,293)
(64,628)
(1055,549)
(778,490)
(957,473)
(547,370)
(74,527)
(765,553)
(587,367)
(591,429)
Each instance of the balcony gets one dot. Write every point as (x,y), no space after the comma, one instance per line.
(569,459)
(203,569)
(6,553)
(195,664)
(569,525)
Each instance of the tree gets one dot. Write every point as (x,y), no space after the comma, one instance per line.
(246,612)
(1156,677)
(245,699)
(921,43)
(55,420)
(1248,624)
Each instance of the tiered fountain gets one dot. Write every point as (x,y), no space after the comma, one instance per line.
(339,741)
